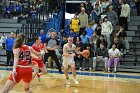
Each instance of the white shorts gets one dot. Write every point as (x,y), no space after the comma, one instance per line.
(67,61)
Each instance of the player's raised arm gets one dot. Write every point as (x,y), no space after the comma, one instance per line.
(36,53)
(77,51)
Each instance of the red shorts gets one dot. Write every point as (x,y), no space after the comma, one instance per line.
(23,73)
(40,63)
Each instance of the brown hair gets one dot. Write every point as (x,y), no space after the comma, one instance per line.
(19,40)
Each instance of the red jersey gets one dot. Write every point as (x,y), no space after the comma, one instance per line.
(37,49)
(24,55)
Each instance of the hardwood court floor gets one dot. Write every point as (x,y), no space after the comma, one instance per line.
(55,83)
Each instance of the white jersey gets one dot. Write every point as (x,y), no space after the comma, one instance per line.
(70,50)
(68,60)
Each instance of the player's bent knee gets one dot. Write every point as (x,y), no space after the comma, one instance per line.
(73,69)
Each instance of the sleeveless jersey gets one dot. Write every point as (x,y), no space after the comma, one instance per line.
(37,48)
(24,55)
(70,49)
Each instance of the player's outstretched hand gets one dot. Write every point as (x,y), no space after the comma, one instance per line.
(42,52)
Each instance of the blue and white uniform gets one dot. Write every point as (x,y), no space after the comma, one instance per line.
(68,60)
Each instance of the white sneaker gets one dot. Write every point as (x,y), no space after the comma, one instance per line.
(67,81)
(108,71)
(76,81)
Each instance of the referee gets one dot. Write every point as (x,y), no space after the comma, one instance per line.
(51,45)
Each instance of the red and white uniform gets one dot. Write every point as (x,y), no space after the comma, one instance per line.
(24,69)
(39,61)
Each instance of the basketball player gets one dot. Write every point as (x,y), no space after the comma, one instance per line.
(69,50)
(38,63)
(22,69)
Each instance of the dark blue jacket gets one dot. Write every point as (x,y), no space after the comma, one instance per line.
(18,8)
(8,8)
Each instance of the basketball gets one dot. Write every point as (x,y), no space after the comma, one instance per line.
(85,53)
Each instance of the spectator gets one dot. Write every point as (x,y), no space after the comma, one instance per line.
(82,5)
(104,13)
(98,28)
(118,8)
(123,36)
(3,39)
(64,41)
(95,14)
(9,47)
(24,14)
(83,17)
(114,57)
(98,3)
(33,11)
(124,15)
(84,39)
(1,6)
(104,3)
(89,29)
(101,56)
(72,34)
(78,42)
(137,2)
(74,24)
(94,24)
(119,44)
(33,3)
(79,58)
(7,10)
(52,44)
(107,30)
(110,4)
(88,62)
(40,6)
(17,9)
(133,5)
(93,40)
(62,34)
(101,40)
(112,17)
(88,8)
(42,35)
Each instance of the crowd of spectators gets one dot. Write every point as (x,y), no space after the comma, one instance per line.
(22,9)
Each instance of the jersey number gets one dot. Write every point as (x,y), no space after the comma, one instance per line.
(24,55)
